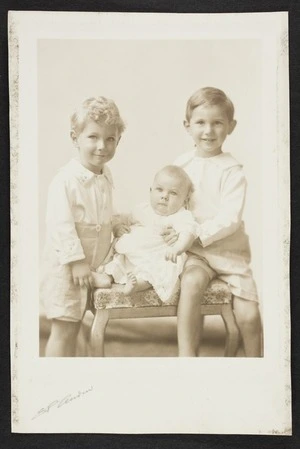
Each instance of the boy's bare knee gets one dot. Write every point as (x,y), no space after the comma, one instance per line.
(195,279)
(65,330)
(247,313)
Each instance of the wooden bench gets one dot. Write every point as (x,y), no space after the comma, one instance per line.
(113,304)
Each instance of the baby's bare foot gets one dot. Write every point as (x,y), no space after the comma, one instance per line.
(131,284)
(135,285)
(102,280)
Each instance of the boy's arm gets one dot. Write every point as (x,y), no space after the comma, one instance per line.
(183,243)
(122,222)
(186,228)
(60,224)
(229,217)
(120,225)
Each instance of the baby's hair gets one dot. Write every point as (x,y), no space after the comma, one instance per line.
(178,172)
(210,96)
(99,109)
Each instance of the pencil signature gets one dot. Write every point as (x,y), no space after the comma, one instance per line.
(61,402)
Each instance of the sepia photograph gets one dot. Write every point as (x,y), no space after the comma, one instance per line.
(150,188)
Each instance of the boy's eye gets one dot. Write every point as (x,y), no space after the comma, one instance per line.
(111,139)
(159,189)
(92,137)
(218,122)
(173,193)
(200,122)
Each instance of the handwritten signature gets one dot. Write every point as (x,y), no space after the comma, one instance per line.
(61,402)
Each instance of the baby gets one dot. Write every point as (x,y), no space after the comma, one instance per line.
(142,258)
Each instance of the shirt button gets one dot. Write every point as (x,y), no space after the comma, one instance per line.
(98,228)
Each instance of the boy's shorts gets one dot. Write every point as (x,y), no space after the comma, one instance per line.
(239,278)
(195,260)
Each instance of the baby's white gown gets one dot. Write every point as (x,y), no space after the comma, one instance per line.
(143,250)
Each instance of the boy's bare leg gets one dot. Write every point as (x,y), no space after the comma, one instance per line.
(249,322)
(63,338)
(134,284)
(189,321)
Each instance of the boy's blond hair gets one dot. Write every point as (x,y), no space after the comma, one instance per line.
(99,109)
(210,96)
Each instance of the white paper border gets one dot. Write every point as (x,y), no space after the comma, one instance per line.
(155,395)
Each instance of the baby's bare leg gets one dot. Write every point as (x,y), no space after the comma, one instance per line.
(135,284)
(102,280)
(249,322)
(63,338)
(189,320)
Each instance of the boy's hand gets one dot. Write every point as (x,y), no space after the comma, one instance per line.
(169,235)
(172,253)
(121,229)
(81,274)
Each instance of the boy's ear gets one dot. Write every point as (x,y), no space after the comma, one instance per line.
(73,136)
(186,125)
(232,126)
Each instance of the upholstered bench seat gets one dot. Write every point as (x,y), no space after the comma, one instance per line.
(217,293)
(113,304)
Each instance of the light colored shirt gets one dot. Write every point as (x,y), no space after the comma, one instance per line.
(77,195)
(218,199)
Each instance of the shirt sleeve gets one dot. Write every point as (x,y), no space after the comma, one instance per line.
(232,199)
(116,217)
(185,222)
(60,224)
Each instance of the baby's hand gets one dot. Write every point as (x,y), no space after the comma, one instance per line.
(81,274)
(171,254)
(169,235)
(121,229)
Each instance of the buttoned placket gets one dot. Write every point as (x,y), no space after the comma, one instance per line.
(100,211)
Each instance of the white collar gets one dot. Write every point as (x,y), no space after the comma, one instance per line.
(222,160)
(84,175)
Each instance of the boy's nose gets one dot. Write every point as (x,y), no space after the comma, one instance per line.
(164,196)
(207,128)
(100,144)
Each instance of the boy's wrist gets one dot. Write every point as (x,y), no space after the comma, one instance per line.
(177,248)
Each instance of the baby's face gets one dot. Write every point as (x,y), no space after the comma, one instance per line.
(209,126)
(168,194)
(96,145)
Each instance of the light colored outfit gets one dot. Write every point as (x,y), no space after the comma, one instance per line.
(217,204)
(79,225)
(143,250)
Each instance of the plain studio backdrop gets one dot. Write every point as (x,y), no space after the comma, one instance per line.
(150,81)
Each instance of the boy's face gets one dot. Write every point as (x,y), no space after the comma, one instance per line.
(209,126)
(168,194)
(96,145)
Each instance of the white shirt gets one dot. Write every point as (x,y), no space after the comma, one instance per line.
(76,195)
(218,199)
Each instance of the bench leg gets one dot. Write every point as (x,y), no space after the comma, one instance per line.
(98,332)
(232,331)
(201,325)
